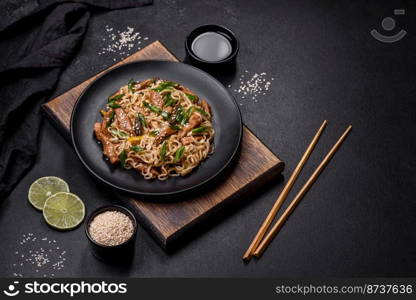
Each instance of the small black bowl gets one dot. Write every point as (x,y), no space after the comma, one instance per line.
(226,63)
(118,253)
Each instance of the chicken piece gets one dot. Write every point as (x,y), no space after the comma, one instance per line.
(194,121)
(154,125)
(103,136)
(205,106)
(123,120)
(164,134)
(187,140)
(156,99)
(144,84)
(168,109)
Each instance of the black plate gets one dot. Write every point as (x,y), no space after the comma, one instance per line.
(226,121)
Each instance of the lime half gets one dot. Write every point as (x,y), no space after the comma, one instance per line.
(64,211)
(43,188)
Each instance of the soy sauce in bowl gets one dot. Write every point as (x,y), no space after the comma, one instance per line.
(210,46)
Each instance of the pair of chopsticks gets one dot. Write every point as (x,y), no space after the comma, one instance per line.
(259,245)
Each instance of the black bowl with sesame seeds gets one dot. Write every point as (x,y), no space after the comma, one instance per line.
(111,231)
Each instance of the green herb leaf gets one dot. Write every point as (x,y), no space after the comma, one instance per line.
(137,149)
(163,150)
(115,98)
(154,133)
(130,85)
(123,157)
(114,105)
(152,107)
(193,98)
(165,85)
(110,118)
(199,130)
(142,119)
(179,154)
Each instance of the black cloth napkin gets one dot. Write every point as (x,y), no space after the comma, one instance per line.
(36,43)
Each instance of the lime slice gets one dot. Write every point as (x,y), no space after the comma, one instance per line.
(43,188)
(64,211)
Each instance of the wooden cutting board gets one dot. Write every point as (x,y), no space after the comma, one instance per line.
(169,219)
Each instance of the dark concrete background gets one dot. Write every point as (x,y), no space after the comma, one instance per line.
(358,219)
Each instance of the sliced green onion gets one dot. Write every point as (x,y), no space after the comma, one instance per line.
(137,149)
(114,105)
(130,85)
(157,110)
(142,119)
(165,85)
(187,115)
(110,118)
(165,115)
(169,101)
(179,154)
(193,98)
(178,114)
(199,130)
(201,111)
(174,127)
(154,133)
(163,151)
(120,134)
(123,157)
(115,98)
(152,107)
(138,127)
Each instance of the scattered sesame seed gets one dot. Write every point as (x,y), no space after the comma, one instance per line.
(257,85)
(41,257)
(121,43)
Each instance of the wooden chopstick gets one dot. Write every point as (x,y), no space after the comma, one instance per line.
(279,201)
(272,233)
